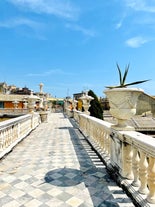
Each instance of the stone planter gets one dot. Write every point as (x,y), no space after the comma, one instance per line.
(123,102)
(86,102)
(43,116)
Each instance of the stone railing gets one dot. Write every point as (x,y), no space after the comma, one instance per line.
(13,111)
(69,112)
(12,131)
(128,155)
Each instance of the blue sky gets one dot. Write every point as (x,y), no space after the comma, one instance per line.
(73,45)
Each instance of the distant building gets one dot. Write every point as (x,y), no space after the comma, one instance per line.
(104,103)
(3,88)
(10,94)
(145,104)
(8,100)
(22,91)
(76,96)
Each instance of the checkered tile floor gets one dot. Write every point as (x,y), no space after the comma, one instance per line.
(55,166)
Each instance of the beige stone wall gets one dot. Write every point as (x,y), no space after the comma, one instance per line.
(145,104)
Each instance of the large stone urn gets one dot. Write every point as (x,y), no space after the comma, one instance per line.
(123,102)
(86,102)
(31,102)
(43,116)
(43,113)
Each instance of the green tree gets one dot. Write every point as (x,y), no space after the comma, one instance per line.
(95,108)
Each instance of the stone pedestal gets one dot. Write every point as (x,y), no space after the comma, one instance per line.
(43,116)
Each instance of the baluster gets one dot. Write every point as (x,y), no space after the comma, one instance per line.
(135,166)
(87,133)
(91,131)
(107,143)
(102,140)
(10,135)
(5,138)
(82,124)
(19,130)
(151,180)
(94,130)
(88,127)
(105,137)
(127,161)
(15,129)
(143,165)
(1,140)
(98,135)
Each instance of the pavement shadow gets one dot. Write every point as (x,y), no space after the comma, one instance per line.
(93,174)
(64,177)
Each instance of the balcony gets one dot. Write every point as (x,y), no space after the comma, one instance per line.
(77,161)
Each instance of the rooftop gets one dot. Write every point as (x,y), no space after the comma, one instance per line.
(56,166)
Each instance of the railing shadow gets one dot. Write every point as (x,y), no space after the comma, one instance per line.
(92,173)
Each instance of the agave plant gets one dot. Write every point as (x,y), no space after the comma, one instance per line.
(122,79)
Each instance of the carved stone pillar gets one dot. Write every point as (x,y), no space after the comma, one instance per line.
(143,165)
(127,161)
(135,166)
(151,180)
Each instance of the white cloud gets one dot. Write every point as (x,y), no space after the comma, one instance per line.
(136,42)
(120,22)
(141,5)
(119,25)
(36,27)
(137,12)
(61,8)
(19,22)
(46,73)
(83,30)
(49,72)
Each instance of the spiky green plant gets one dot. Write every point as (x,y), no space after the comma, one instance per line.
(122,79)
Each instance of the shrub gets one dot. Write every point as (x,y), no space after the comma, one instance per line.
(95,108)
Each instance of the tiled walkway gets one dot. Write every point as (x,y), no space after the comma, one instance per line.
(55,166)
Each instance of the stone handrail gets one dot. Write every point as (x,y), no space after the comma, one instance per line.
(14,111)
(128,155)
(12,131)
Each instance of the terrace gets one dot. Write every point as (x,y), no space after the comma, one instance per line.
(72,160)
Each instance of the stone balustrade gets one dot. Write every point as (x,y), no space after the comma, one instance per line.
(12,131)
(69,112)
(13,111)
(128,155)
(76,114)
